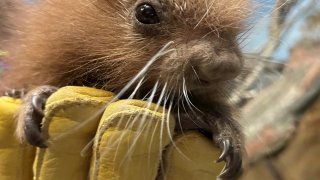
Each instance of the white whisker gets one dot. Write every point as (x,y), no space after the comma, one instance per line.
(137,88)
(171,136)
(153,92)
(205,14)
(159,54)
(179,120)
(142,123)
(195,72)
(184,88)
(161,140)
(161,96)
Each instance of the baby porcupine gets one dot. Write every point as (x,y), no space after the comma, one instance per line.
(105,43)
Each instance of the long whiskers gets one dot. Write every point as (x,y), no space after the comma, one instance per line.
(171,136)
(141,117)
(185,92)
(137,88)
(163,51)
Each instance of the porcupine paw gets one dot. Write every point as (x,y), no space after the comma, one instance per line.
(15,93)
(230,145)
(31,114)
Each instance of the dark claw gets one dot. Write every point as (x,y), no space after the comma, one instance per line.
(35,104)
(224,174)
(38,104)
(229,139)
(225,146)
(33,122)
(233,166)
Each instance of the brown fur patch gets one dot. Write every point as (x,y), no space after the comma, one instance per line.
(97,43)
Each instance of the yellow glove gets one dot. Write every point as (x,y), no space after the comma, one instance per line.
(131,140)
(15,159)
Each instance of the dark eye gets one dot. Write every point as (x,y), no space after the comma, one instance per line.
(146,14)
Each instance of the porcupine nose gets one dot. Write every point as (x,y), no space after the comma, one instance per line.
(214,63)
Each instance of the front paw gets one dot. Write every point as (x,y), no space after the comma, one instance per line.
(228,136)
(31,114)
(232,155)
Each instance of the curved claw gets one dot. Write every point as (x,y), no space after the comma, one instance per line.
(34,113)
(233,166)
(225,146)
(38,104)
(32,126)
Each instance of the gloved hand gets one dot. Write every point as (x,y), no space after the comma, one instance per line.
(89,137)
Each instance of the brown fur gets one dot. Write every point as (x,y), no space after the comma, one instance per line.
(7,9)
(100,43)
(97,43)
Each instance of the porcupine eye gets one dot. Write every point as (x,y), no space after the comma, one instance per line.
(146,14)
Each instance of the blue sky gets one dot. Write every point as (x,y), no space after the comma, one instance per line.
(259,34)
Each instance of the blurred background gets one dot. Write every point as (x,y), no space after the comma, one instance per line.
(278,93)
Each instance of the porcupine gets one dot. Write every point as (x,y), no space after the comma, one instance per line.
(104,44)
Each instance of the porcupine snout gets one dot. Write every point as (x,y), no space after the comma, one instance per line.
(212,62)
(202,62)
